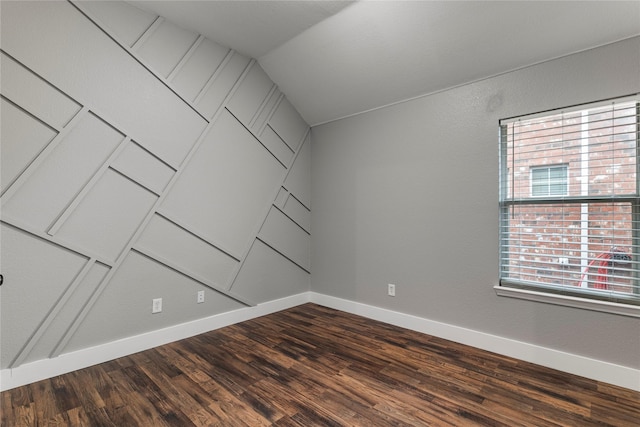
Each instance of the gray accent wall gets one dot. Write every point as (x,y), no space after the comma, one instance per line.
(408,194)
(139,160)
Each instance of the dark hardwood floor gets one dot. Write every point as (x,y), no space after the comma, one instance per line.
(314,366)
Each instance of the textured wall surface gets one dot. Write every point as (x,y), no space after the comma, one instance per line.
(139,161)
(408,195)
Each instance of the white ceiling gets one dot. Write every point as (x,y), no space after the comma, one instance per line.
(252,27)
(336,58)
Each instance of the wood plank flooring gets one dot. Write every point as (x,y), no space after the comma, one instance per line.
(314,366)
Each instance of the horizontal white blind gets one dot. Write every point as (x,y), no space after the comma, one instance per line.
(569,200)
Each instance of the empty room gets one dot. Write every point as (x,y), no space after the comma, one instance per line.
(319,213)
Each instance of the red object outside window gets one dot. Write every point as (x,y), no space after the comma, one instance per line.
(604,262)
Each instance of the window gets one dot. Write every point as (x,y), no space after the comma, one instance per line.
(570,202)
(549,181)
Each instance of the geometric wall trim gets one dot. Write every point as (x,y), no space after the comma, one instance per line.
(108,216)
(199,68)
(234,200)
(248,99)
(266,274)
(287,238)
(36,291)
(276,146)
(141,278)
(298,182)
(52,184)
(141,166)
(139,161)
(68,50)
(287,123)
(297,212)
(59,320)
(164,46)
(36,95)
(213,94)
(183,250)
(26,138)
(125,22)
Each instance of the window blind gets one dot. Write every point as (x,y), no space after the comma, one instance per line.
(570,201)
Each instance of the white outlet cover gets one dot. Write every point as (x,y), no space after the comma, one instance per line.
(157,305)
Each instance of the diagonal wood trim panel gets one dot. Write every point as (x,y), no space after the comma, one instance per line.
(140,104)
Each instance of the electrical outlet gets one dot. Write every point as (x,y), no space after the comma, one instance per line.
(200,297)
(391,290)
(157,305)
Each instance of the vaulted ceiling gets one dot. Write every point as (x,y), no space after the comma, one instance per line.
(338,58)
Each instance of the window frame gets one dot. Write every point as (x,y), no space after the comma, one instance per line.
(585,298)
(548,180)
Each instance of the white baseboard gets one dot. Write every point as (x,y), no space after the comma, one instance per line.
(68,362)
(578,365)
(590,368)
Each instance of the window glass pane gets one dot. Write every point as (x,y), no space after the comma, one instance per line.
(570,205)
(597,147)
(557,189)
(539,175)
(558,173)
(549,181)
(539,190)
(573,245)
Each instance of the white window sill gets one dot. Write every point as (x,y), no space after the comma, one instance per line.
(569,301)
